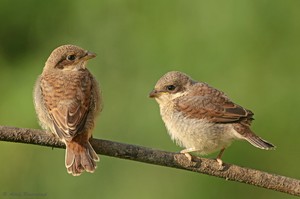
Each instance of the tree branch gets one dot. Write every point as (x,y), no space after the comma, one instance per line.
(163,158)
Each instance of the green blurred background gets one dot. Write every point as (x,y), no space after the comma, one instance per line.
(249,49)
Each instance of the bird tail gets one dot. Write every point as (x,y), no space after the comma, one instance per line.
(80,157)
(252,138)
(260,143)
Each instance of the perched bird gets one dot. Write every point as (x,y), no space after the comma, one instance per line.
(201,118)
(67,99)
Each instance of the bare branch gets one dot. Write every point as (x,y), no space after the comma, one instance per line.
(163,158)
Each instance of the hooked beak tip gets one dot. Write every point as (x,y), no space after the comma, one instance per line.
(89,55)
(153,94)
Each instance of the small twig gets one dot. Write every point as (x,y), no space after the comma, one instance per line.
(163,158)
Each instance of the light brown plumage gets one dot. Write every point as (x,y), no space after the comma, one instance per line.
(67,100)
(200,117)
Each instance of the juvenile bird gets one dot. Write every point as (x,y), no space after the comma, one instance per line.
(201,118)
(67,99)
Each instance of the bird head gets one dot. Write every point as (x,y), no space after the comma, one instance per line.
(68,58)
(170,86)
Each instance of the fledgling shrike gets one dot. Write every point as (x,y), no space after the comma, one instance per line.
(201,118)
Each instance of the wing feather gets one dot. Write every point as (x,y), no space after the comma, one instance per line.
(68,105)
(209,103)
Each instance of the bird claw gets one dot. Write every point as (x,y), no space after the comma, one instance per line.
(220,162)
(186,153)
(189,157)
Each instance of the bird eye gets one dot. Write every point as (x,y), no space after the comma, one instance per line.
(170,87)
(71,57)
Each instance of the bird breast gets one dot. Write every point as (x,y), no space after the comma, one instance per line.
(205,136)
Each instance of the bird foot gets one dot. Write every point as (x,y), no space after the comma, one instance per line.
(220,162)
(188,156)
(185,152)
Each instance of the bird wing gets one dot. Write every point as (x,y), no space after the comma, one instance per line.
(67,104)
(206,102)
(69,118)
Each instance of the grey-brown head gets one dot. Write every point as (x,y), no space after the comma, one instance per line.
(68,57)
(172,84)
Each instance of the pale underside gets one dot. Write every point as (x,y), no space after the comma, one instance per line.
(203,136)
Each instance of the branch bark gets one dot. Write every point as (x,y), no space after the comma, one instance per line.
(163,158)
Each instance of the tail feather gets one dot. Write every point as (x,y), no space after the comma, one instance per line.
(69,157)
(260,143)
(92,153)
(253,139)
(80,157)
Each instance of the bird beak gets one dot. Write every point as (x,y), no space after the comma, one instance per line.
(153,94)
(89,55)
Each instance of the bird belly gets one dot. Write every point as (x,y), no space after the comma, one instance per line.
(204,136)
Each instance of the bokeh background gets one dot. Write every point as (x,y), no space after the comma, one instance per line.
(249,49)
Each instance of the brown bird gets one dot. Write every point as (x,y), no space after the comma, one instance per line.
(67,99)
(201,118)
